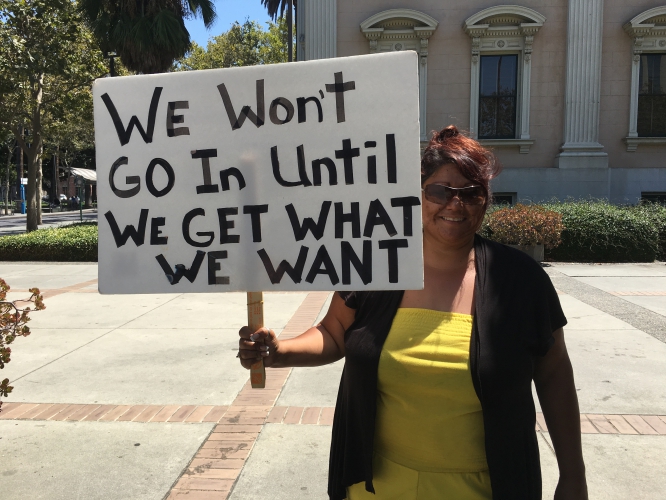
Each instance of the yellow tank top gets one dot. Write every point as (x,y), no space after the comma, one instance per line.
(428,414)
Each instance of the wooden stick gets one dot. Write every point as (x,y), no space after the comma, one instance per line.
(255,320)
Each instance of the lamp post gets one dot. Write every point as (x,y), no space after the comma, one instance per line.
(111,56)
(79,185)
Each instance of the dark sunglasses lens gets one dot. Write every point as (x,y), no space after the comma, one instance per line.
(472,196)
(438,193)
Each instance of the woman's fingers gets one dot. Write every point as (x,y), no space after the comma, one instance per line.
(255,345)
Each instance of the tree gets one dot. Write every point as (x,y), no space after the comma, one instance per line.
(244,44)
(13,323)
(147,35)
(273,6)
(70,134)
(46,54)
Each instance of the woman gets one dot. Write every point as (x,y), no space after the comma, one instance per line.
(435,399)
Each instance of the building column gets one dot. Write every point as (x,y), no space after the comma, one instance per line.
(581,148)
(317,29)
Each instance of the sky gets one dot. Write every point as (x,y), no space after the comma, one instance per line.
(228,11)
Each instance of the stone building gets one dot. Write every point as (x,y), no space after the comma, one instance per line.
(570,94)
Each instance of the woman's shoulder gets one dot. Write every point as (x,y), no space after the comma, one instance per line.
(369,298)
(505,259)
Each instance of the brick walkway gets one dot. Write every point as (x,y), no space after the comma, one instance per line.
(256,415)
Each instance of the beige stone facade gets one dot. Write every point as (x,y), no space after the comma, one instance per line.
(574,138)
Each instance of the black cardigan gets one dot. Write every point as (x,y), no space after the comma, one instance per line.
(516,312)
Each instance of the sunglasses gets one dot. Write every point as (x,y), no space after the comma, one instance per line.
(441,194)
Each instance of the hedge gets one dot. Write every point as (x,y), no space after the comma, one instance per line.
(73,243)
(657,215)
(596,231)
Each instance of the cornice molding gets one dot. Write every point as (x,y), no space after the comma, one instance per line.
(389,20)
(652,22)
(504,20)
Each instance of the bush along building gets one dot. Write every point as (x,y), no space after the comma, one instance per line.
(570,94)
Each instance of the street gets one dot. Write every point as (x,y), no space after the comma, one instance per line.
(15,224)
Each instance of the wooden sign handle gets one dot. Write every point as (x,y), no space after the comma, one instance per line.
(255,320)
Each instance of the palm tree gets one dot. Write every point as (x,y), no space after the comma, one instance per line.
(273,6)
(147,35)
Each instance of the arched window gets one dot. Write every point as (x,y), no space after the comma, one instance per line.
(647,111)
(502,40)
(403,29)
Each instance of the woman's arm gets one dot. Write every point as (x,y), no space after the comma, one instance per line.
(319,345)
(554,381)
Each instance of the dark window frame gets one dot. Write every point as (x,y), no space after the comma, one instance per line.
(492,102)
(654,197)
(504,198)
(650,122)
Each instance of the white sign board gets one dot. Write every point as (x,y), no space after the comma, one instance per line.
(24,181)
(301,176)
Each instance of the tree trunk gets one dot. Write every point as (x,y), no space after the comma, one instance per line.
(9,162)
(38,185)
(32,220)
(88,189)
(34,153)
(19,162)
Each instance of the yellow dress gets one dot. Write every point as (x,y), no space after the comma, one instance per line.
(429,439)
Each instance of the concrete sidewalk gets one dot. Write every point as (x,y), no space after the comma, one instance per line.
(141,397)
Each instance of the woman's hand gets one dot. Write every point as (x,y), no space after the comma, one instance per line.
(257,345)
(571,489)
(318,345)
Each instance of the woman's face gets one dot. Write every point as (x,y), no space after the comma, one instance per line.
(453,224)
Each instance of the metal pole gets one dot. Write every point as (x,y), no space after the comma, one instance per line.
(290,31)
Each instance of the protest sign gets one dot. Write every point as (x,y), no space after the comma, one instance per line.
(301,176)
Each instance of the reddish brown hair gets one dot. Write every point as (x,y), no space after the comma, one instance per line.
(475,162)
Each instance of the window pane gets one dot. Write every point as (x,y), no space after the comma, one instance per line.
(652,96)
(497,96)
(489,70)
(506,117)
(487,117)
(507,75)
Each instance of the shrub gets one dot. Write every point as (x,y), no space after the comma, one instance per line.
(13,323)
(657,215)
(597,231)
(74,243)
(525,225)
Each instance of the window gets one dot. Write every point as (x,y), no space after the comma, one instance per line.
(651,121)
(504,199)
(647,109)
(502,39)
(654,197)
(498,92)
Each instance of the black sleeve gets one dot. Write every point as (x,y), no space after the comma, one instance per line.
(549,315)
(350,298)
